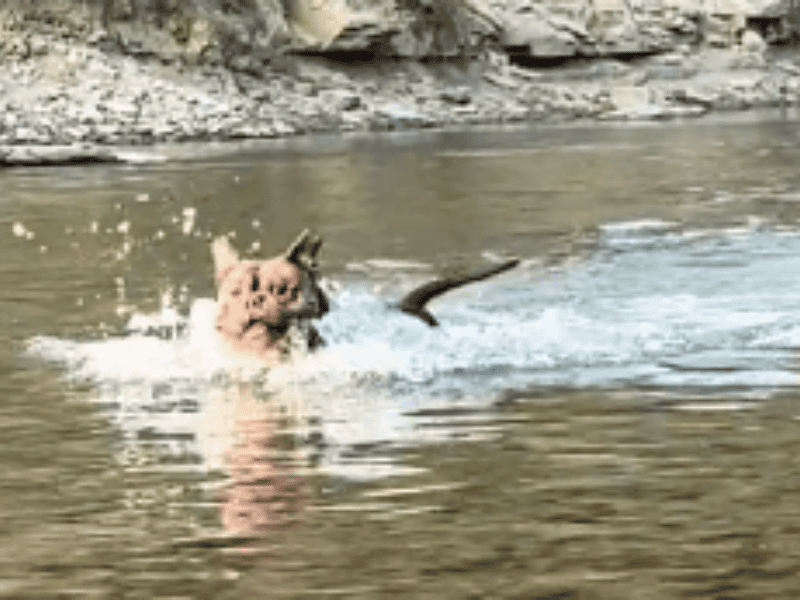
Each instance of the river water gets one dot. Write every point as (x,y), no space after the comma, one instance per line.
(615,418)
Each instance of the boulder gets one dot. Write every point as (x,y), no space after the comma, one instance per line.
(539,37)
(399,115)
(460,95)
(689,95)
(525,26)
(333,26)
(630,98)
(752,43)
(317,23)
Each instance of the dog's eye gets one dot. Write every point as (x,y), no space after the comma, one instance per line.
(293,293)
(282,289)
(256,283)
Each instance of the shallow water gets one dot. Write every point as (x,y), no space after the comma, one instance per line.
(615,418)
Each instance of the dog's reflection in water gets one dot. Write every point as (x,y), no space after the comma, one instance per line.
(265,489)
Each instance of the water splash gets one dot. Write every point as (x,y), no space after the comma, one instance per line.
(649,294)
(653,303)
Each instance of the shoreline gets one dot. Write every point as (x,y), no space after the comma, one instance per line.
(70,102)
(323,142)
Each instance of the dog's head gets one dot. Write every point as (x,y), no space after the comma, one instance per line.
(259,299)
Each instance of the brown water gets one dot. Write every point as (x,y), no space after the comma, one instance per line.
(617,418)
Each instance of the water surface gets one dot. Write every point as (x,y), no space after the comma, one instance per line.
(614,418)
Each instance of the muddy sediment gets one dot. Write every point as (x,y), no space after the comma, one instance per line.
(69,100)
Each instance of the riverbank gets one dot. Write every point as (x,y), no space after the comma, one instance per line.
(67,100)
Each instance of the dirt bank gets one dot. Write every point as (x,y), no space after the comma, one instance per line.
(67,99)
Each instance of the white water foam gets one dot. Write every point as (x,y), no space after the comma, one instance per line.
(646,296)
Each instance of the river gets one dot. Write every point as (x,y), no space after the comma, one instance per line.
(614,418)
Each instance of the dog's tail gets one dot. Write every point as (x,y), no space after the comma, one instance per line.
(414,302)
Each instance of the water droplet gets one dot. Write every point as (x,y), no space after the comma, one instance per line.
(189,214)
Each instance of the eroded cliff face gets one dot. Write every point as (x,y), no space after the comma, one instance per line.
(535,28)
(78,79)
(248,35)
(192,31)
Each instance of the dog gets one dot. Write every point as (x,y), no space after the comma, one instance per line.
(266,307)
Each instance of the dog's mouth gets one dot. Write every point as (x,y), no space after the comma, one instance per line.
(274,330)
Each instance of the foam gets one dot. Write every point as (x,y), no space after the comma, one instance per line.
(639,306)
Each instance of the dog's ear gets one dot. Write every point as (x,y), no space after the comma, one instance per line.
(225,257)
(303,251)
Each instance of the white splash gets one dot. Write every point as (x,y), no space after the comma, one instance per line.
(188,216)
(649,306)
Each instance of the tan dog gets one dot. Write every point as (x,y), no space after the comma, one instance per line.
(265,306)
(260,300)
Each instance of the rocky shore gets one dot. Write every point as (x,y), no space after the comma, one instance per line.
(70,100)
